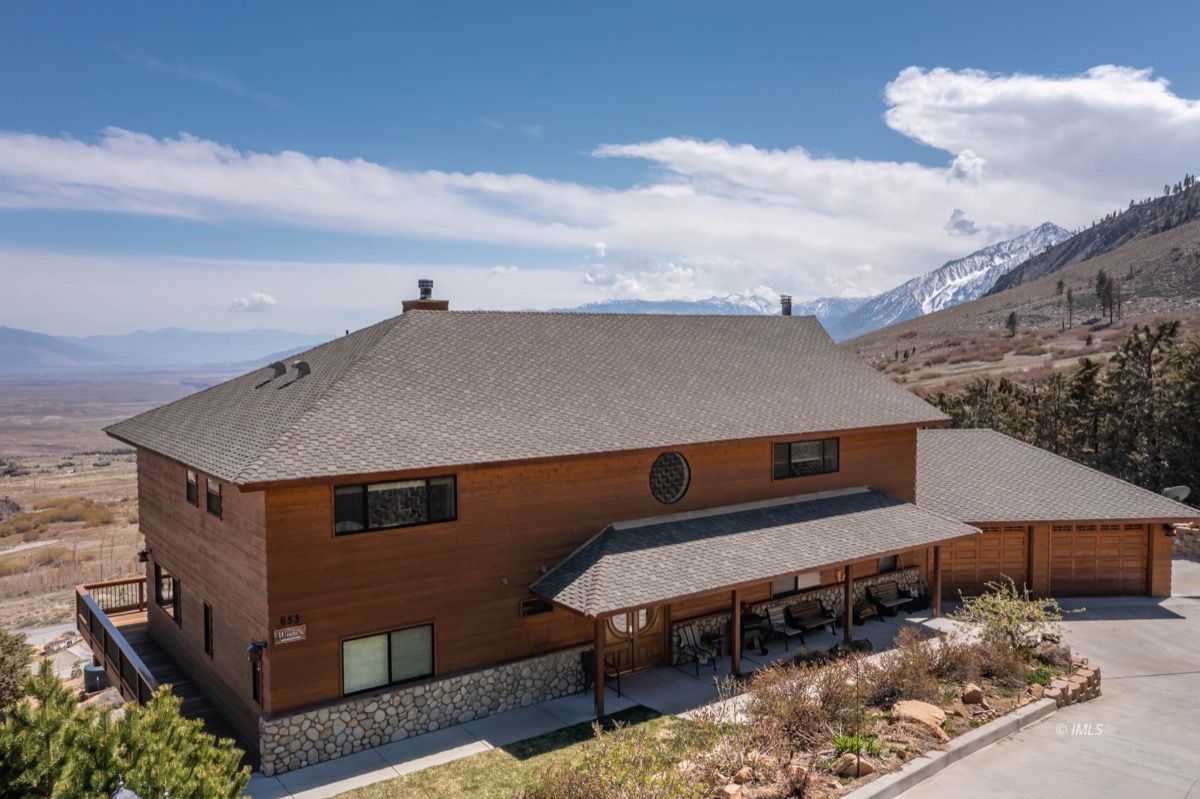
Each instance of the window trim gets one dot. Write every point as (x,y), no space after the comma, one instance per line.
(208,630)
(388,633)
(453,478)
(191,491)
(208,493)
(822,441)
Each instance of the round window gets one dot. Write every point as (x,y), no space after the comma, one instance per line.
(669,477)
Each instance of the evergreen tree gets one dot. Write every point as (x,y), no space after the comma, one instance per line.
(1011,323)
(53,748)
(14,668)
(1070,308)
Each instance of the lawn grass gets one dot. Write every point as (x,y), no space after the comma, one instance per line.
(499,773)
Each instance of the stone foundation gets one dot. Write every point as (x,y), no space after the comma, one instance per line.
(356,724)
(1187,543)
(831,597)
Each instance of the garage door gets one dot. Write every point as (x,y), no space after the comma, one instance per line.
(1000,552)
(1097,559)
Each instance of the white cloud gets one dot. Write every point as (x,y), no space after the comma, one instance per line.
(711,217)
(501,271)
(254,302)
(210,77)
(959,225)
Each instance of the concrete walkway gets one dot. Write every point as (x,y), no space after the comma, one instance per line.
(1138,739)
(667,690)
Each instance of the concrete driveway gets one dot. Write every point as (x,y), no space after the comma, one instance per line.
(1141,738)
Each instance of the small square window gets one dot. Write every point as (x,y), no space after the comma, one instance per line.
(889,564)
(804,458)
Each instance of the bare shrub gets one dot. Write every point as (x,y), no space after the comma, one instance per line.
(906,672)
(809,704)
(956,659)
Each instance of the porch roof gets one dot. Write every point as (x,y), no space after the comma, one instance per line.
(635,564)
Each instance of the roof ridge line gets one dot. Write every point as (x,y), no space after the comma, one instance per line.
(391,322)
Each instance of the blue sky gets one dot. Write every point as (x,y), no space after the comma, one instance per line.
(536,155)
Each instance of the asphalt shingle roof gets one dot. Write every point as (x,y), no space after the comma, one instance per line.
(986,476)
(633,566)
(440,388)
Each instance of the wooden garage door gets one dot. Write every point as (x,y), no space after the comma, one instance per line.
(1000,552)
(1097,559)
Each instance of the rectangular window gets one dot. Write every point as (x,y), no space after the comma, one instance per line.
(214,496)
(402,503)
(193,496)
(790,585)
(208,632)
(256,680)
(802,458)
(888,564)
(387,658)
(167,593)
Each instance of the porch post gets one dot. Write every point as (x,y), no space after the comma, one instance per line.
(937,580)
(735,635)
(848,609)
(598,666)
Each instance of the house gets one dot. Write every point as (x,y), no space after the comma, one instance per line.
(449,514)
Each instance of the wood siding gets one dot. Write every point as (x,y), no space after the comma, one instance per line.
(1001,552)
(514,521)
(221,561)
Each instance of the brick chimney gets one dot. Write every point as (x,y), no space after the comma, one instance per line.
(425,301)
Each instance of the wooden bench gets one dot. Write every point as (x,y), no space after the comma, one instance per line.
(810,615)
(887,597)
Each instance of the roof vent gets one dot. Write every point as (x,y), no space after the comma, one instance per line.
(279,368)
(302,368)
(425,301)
(785,300)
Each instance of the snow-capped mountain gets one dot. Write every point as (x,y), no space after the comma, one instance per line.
(953,283)
(746,303)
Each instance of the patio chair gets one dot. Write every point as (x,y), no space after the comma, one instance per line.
(587,659)
(691,646)
(780,626)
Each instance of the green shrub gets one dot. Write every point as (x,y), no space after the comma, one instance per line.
(1040,676)
(863,743)
(1007,616)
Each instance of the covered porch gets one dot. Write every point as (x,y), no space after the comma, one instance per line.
(630,578)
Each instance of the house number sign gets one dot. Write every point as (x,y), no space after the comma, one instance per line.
(290,629)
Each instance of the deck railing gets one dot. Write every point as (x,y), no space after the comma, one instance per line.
(93,604)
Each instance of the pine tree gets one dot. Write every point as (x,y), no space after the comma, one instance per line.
(1011,323)
(1070,308)
(14,668)
(53,748)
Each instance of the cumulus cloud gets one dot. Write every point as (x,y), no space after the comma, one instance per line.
(710,216)
(253,302)
(960,225)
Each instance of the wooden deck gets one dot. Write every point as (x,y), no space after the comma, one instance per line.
(195,705)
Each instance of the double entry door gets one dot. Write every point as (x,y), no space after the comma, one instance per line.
(637,639)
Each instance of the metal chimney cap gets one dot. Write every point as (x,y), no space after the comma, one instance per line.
(785,302)
(426,287)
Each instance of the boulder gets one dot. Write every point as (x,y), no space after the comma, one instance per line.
(1036,691)
(743,775)
(850,765)
(1053,654)
(972,694)
(732,791)
(921,712)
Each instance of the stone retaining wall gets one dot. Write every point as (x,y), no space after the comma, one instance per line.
(831,596)
(1187,543)
(326,733)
